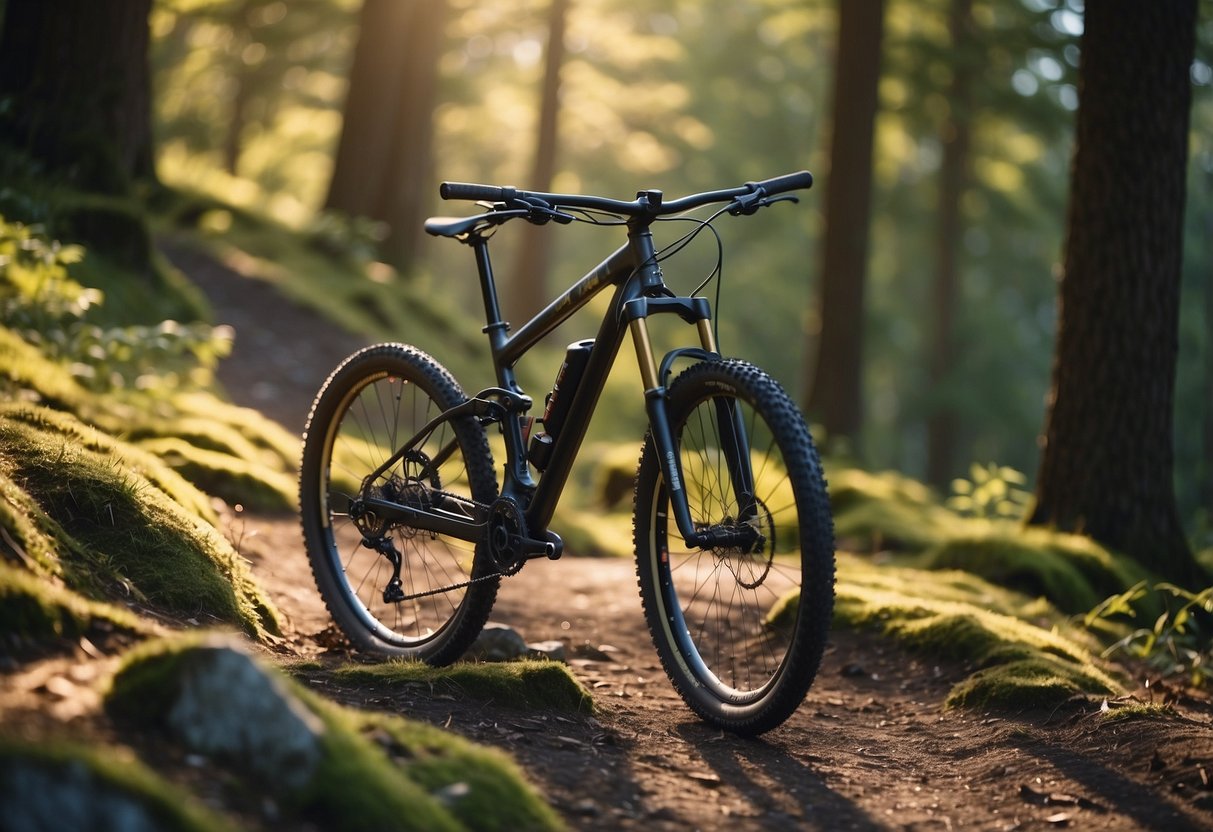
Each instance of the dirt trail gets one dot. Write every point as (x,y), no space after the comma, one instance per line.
(871,748)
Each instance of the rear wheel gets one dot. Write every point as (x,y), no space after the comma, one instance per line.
(740,627)
(377,400)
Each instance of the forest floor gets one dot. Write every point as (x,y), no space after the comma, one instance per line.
(872,747)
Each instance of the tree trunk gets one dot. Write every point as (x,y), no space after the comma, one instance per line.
(836,388)
(383,158)
(233,138)
(1206,480)
(368,127)
(953,178)
(530,274)
(1106,465)
(75,77)
(410,191)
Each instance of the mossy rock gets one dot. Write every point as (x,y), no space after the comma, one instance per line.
(120,526)
(531,684)
(67,786)
(373,771)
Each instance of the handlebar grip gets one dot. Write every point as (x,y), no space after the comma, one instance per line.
(788,182)
(469,191)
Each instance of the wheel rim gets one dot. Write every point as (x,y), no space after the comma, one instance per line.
(370,423)
(717,604)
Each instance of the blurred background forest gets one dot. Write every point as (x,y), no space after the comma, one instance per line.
(249,96)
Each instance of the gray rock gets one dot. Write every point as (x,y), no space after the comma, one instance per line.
(229,706)
(551,650)
(497,643)
(44,797)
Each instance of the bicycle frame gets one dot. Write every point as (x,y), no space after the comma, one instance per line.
(640,291)
(632,269)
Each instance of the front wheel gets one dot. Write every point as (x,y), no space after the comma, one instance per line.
(430,603)
(740,627)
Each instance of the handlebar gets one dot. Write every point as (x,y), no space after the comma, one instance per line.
(647,203)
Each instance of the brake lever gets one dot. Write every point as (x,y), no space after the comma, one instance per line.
(748,204)
(541,212)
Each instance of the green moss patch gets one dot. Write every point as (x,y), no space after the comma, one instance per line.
(1073,572)
(26,372)
(482,787)
(1025,654)
(887,510)
(27,535)
(35,613)
(1030,683)
(120,527)
(138,461)
(526,684)
(235,479)
(67,786)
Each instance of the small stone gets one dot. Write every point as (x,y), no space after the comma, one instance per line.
(452,794)
(552,650)
(497,643)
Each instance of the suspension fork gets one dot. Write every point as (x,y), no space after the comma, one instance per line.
(731,428)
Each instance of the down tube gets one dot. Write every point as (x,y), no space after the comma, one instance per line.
(564,451)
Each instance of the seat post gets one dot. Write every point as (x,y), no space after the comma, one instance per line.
(494,326)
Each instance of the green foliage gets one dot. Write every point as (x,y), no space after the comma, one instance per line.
(1179,643)
(354,240)
(525,684)
(40,301)
(134,380)
(994,492)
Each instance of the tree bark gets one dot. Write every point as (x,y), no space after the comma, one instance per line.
(75,78)
(1107,460)
(942,422)
(534,257)
(836,386)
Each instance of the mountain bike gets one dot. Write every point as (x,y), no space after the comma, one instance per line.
(409,532)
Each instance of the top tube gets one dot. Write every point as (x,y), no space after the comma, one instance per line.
(647,203)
